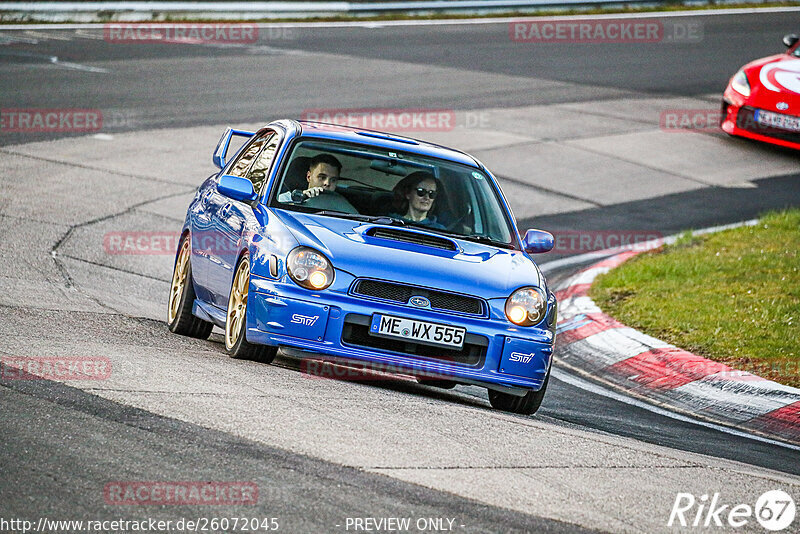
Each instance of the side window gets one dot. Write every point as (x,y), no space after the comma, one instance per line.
(260,169)
(246,158)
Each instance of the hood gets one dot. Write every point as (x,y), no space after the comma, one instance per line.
(775,79)
(473,268)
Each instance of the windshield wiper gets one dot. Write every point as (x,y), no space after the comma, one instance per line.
(486,240)
(379,219)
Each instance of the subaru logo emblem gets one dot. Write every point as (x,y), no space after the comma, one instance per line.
(419,302)
(783,106)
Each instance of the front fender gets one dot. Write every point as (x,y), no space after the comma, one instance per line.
(269,247)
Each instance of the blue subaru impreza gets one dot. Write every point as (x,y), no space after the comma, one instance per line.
(366,248)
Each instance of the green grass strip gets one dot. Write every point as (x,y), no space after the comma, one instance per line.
(732,296)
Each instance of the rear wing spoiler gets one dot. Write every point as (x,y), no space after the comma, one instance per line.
(221,152)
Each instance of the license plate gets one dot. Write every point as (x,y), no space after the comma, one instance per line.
(777,120)
(420,331)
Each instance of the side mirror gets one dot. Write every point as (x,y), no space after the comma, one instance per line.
(790,40)
(237,188)
(537,241)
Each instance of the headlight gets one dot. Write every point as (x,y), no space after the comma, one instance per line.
(309,268)
(739,83)
(526,306)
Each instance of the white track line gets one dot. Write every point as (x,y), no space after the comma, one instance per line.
(49,36)
(591,387)
(371,24)
(75,66)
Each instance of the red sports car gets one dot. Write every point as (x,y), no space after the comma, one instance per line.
(762,100)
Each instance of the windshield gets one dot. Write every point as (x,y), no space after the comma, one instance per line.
(362,183)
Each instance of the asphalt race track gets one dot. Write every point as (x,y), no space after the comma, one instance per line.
(572,130)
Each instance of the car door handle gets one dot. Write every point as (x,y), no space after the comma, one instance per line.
(224,211)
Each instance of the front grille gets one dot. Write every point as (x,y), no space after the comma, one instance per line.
(412,237)
(458,303)
(746,120)
(355,332)
(401,293)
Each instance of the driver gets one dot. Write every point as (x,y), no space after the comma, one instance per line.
(322,177)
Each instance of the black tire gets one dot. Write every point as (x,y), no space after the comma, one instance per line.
(241,349)
(184,322)
(527,405)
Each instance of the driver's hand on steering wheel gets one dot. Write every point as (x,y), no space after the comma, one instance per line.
(312,192)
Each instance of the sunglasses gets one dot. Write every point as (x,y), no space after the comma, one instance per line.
(421,191)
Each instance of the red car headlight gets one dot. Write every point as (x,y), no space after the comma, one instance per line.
(740,84)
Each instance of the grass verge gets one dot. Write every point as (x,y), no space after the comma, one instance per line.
(732,297)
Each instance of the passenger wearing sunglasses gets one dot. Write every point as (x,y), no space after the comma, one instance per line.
(415,199)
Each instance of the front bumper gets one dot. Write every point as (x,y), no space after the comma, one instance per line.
(333,324)
(738,119)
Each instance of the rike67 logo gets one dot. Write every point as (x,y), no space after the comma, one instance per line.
(774,510)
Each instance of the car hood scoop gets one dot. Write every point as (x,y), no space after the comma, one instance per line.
(418,238)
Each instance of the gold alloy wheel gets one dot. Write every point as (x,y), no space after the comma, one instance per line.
(237,304)
(179,276)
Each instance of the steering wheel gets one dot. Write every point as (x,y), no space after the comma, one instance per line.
(299,198)
(453,225)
